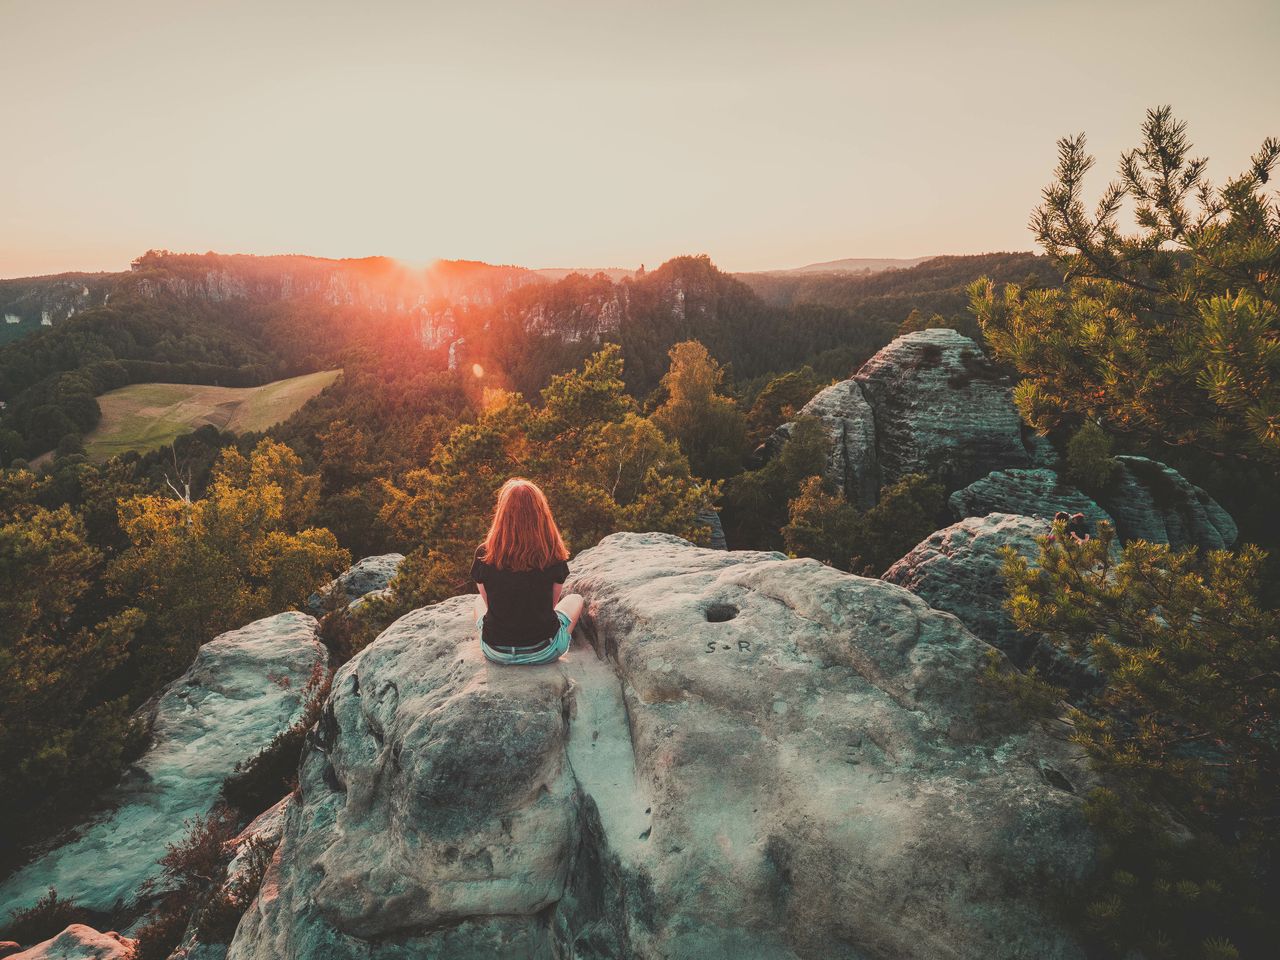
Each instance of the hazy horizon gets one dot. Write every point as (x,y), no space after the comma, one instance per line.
(590,135)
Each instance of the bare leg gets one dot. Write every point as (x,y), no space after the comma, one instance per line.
(571,606)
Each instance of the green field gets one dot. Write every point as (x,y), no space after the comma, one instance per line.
(145,416)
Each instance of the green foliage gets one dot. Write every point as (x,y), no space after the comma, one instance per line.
(779,401)
(1185,731)
(1089,462)
(1169,335)
(263,779)
(200,567)
(708,426)
(603,466)
(822,525)
(825,526)
(755,503)
(964,323)
(58,727)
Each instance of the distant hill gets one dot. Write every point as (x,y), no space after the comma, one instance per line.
(935,285)
(855,265)
(147,416)
(559,273)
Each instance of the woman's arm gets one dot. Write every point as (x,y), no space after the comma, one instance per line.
(556,590)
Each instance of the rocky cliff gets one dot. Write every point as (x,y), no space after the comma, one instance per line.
(745,756)
(930,402)
(243,688)
(28,304)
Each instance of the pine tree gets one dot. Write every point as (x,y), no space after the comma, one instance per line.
(1185,730)
(1169,334)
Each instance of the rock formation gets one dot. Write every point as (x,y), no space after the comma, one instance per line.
(754,757)
(710,517)
(79,942)
(369,575)
(1151,501)
(957,569)
(243,688)
(1029,493)
(851,462)
(940,408)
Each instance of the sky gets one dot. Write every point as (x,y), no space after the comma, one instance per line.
(590,134)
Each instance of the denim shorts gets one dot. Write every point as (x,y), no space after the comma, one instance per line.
(551,652)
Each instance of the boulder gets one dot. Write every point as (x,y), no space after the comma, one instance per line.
(710,517)
(957,569)
(941,407)
(243,688)
(1030,493)
(1151,501)
(79,942)
(753,756)
(368,575)
(851,461)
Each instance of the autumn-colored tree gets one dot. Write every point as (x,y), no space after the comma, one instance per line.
(243,551)
(708,425)
(603,466)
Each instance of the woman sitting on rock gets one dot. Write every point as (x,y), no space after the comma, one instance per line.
(520,571)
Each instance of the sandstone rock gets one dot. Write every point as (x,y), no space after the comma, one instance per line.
(243,688)
(957,569)
(851,462)
(1154,502)
(1041,450)
(768,758)
(939,406)
(368,575)
(711,518)
(79,942)
(1029,493)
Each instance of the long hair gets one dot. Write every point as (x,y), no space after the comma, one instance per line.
(523,535)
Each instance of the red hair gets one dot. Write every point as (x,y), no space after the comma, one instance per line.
(523,535)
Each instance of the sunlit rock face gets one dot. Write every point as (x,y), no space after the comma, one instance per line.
(741,756)
(940,407)
(79,942)
(243,688)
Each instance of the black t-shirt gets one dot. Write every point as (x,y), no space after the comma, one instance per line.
(521,613)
